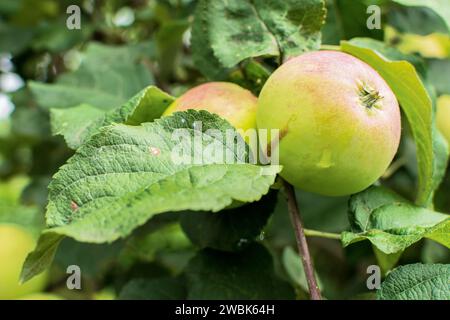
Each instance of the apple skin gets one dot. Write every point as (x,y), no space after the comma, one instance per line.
(443,116)
(339,122)
(228,100)
(15,244)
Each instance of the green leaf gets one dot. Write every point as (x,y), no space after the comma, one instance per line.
(433,252)
(52,37)
(166,238)
(440,233)
(248,274)
(95,260)
(439,75)
(347,19)
(251,75)
(230,229)
(154,289)
(363,204)
(42,256)
(77,124)
(441,7)
(294,268)
(107,77)
(417,282)
(392,54)
(441,155)
(29,217)
(169,40)
(15,39)
(386,261)
(225,33)
(391,223)
(422,21)
(30,124)
(124,175)
(202,51)
(416,104)
(13,212)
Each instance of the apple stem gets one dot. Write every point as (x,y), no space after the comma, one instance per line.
(302,244)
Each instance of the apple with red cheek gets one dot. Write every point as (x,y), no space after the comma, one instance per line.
(228,100)
(339,122)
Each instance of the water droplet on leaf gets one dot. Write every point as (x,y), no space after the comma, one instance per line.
(262,235)
(242,242)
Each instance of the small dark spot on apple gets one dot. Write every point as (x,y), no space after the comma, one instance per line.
(283,132)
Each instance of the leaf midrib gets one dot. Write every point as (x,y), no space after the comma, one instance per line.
(269,31)
(164,175)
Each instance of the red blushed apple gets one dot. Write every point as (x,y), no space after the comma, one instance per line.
(339,122)
(228,100)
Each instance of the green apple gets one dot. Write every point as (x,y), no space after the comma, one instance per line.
(228,100)
(15,244)
(41,296)
(339,122)
(443,116)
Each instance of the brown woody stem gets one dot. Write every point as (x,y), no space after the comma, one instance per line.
(302,244)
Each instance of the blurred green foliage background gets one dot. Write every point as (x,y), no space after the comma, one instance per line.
(123,46)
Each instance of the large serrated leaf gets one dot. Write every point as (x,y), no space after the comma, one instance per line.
(391,223)
(124,175)
(226,32)
(417,282)
(79,123)
(417,106)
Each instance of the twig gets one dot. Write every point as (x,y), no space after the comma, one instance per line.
(321,234)
(302,244)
